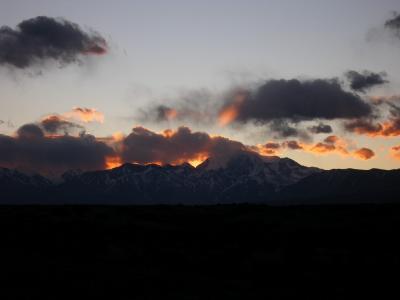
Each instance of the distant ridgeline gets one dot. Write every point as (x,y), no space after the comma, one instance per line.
(245,178)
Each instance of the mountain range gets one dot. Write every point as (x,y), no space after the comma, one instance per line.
(244,178)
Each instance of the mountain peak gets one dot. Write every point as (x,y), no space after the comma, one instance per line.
(242,158)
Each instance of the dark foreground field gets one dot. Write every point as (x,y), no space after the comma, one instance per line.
(218,252)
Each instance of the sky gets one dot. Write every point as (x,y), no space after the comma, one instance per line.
(168,64)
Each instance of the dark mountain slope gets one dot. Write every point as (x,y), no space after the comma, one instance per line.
(342,186)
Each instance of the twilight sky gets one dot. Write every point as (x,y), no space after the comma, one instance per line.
(317,81)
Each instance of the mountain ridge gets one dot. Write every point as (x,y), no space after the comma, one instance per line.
(244,178)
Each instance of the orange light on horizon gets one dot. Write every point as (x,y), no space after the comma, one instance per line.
(158,163)
(197,161)
(168,133)
(113,162)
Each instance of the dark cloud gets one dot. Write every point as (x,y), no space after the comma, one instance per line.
(42,38)
(272,145)
(363,126)
(145,146)
(55,124)
(31,150)
(296,101)
(30,132)
(320,128)
(293,145)
(283,129)
(361,82)
(279,105)
(394,25)
(270,148)
(165,113)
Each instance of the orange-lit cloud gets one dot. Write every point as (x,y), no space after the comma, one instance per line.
(56,124)
(228,115)
(112,162)
(322,148)
(395,152)
(68,122)
(389,128)
(118,136)
(230,112)
(85,115)
(171,114)
(370,126)
(364,153)
(330,145)
(270,148)
(176,146)
(292,145)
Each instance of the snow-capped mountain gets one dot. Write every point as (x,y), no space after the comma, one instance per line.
(243,178)
(242,175)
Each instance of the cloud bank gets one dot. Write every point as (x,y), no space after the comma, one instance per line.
(33,151)
(37,149)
